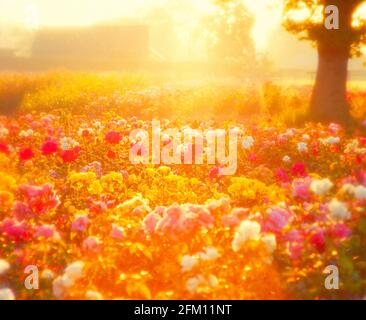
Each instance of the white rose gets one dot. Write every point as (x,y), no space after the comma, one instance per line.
(248,230)
(360,192)
(348,188)
(75,270)
(333,140)
(270,242)
(213,281)
(188,262)
(93,295)
(193,283)
(47,274)
(210,254)
(4,266)
(302,147)
(286,159)
(61,285)
(248,142)
(321,187)
(6,294)
(338,210)
(3,132)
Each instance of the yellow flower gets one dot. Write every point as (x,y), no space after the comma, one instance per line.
(132,178)
(72,209)
(194,181)
(150,172)
(95,188)
(81,180)
(112,182)
(164,170)
(128,206)
(4,161)
(246,189)
(113,177)
(6,199)
(7,182)
(172,178)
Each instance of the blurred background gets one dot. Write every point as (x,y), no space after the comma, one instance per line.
(241,38)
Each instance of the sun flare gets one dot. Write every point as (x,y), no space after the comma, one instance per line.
(359,18)
(267,15)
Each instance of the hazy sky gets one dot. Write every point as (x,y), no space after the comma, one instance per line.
(68,12)
(78,12)
(33,14)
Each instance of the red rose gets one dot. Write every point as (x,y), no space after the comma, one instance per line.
(252,157)
(86,133)
(318,241)
(26,154)
(111,154)
(49,147)
(282,175)
(113,137)
(4,148)
(363,141)
(298,169)
(70,155)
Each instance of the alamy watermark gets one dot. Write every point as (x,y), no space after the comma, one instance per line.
(331,21)
(332,280)
(187,146)
(31,282)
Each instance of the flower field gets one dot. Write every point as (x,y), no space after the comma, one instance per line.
(97,226)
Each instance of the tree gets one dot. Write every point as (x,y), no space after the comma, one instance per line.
(336,43)
(228,32)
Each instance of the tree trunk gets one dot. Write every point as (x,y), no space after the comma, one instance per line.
(329,98)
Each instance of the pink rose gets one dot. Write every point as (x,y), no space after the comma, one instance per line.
(80,224)
(301,188)
(91,244)
(16,231)
(282,175)
(230,221)
(340,230)
(117,232)
(47,231)
(276,220)
(151,221)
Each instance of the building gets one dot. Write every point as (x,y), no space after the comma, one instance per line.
(98,43)
(6,53)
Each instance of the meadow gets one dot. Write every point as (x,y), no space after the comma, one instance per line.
(97,226)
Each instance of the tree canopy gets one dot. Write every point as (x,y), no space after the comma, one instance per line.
(229,32)
(305,18)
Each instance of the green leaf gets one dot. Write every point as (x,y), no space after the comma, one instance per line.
(346,264)
(362,226)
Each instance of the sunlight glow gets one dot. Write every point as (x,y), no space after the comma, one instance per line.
(267,15)
(359,17)
(31,19)
(304,13)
